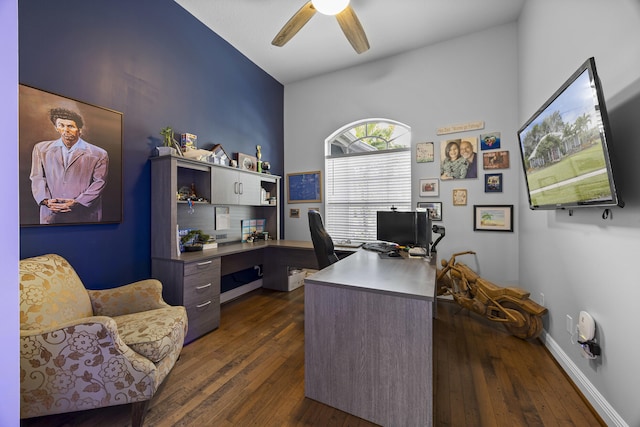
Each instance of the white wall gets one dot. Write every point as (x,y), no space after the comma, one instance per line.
(9,359)
(462,80)
(583,262)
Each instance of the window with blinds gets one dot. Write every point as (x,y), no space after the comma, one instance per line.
(367,169)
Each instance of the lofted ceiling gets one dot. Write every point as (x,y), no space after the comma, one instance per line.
(320,47)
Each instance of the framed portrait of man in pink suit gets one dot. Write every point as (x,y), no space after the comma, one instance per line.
(70,160)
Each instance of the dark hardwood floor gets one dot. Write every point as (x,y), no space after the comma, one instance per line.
(251,372)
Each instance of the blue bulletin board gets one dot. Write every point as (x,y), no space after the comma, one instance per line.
(304,187)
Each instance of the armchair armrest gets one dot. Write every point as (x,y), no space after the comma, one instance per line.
(132,298)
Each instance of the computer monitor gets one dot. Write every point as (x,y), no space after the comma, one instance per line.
(404,228)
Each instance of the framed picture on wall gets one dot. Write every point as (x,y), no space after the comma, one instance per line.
(424,152)
(429,187)
(495,160)
(434,209)
(493,183)
(493,218)
(70,161)
(304,187)
(490,141)
(459,197)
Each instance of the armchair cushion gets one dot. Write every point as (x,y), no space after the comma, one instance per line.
(152,333)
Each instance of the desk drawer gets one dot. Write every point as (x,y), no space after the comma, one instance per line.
(201,286)
(203,317)
(203,266)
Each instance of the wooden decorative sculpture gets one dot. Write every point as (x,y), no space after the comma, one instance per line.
(508,305)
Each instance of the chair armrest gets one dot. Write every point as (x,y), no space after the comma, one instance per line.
(85,359)
(132,298)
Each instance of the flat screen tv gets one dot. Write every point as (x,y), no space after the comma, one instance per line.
(565,147)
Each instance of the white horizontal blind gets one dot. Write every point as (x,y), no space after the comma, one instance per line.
(359,185)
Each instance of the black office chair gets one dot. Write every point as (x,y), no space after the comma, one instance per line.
(322,243)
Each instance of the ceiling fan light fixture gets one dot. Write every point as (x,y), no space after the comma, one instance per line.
(330,7)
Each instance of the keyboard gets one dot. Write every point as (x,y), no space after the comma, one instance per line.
(348,244)
(381,247)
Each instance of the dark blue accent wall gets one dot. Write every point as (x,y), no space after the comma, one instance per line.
(159,66)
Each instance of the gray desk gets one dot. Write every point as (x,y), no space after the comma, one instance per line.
(368,338)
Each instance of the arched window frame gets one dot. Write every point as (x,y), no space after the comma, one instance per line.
(362,177)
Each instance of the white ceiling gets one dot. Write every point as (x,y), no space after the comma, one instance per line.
(392,26)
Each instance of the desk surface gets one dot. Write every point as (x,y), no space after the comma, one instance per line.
(410,277)
(234,248)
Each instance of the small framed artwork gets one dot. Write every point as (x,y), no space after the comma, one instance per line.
(493,183)
(459,197)
(490,141)
(493,218)
(424,152)
(434,209)
(294,213)
(495,160)
(304,187)
(429,187)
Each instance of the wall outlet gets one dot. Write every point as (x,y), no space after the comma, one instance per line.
(541,299)
(569,324)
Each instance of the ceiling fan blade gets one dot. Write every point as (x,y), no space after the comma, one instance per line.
(294,24)
(352,28)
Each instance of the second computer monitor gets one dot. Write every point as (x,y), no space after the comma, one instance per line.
(404,228)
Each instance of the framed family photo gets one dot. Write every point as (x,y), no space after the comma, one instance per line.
(459,158)
(70,160)
(493,218)
(434,209)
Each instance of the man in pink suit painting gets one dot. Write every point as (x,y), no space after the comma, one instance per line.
(68,175)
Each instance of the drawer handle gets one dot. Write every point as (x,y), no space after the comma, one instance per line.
(204,304)
(203,286)
(200,264)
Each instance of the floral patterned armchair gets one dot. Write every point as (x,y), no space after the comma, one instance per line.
(82,349)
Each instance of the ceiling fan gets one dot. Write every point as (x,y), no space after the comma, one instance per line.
(345,15)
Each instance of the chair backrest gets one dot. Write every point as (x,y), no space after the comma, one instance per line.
(322,243)
(51,293)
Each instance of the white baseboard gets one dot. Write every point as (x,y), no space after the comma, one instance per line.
(597,400)
(240,290)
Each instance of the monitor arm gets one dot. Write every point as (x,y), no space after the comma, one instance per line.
(438,229)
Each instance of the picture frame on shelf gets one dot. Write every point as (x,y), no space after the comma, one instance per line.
(247,162)
(459,197)
(429,187)
(493,183)
(434,209)
(493,218)
(304,187)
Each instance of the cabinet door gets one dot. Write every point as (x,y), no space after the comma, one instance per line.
(249,189)
(225,186)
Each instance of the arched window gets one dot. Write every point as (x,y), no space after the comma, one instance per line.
(367,169)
